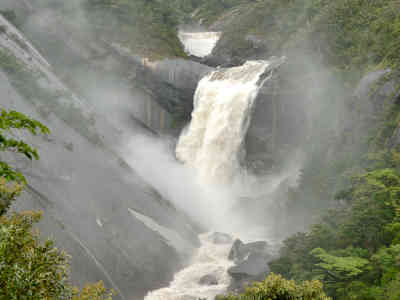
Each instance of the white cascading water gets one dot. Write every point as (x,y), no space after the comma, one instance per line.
(199,44)
(212,145)
(213,142)
(209,259)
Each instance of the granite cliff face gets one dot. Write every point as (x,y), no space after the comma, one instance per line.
(157,93)
(100,211)
(118,227)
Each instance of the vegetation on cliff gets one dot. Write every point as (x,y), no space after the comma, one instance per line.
(276,287)
(354,248)
(349,34)
(149,28)
(11,180)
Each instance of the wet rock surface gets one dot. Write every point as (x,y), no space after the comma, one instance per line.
(240,251)
(85,188)
(251,263)
(253,266)
(237,253)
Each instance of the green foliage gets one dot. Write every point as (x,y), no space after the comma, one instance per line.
(349,35)
(209,10)
(353,250)
(10,15)
(30,269)
(95,291)
(10,120)
(147,27)
(353,247)
(27,267)
(337,268)
(360,25)
(276,287)
(12,181)
(35,270)
(9,191)
(387,262)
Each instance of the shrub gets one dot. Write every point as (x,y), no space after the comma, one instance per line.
(276,287)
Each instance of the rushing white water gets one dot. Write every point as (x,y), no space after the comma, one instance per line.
(213,142)
(199,44)
(212,146)
(210,259)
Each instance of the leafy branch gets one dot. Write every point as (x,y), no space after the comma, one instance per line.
(13,181)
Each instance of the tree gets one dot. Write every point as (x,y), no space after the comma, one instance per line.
(340,268)
(278,288)
(12,181)
(27,267)
(30,269)
(340,272)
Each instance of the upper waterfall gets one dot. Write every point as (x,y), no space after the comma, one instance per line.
(213,142)
(199,44)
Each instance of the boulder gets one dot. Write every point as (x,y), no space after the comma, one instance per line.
(236,253)
(254,266)
(208,280)
(240,251)
(251,263)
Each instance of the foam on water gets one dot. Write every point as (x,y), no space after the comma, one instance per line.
(223,102)
(213,147)
(210,259)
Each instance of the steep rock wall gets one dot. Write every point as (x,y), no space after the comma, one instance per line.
(87,192)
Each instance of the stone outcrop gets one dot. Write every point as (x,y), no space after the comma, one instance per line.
(251,263)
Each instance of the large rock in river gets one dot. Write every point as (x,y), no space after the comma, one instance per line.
(251,263)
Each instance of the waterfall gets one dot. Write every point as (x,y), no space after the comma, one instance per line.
(213,143)
(199,44)
(213,146)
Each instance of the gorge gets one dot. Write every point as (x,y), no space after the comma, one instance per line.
(197,146)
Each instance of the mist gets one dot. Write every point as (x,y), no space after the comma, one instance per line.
(127,108)
(154,159)
(299,119)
